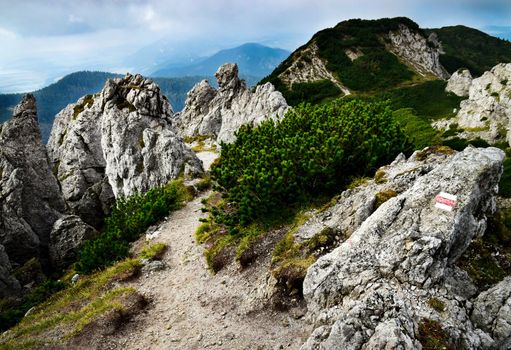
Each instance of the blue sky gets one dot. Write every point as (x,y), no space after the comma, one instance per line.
(44,40)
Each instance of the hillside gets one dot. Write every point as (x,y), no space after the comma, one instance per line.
(53,98)
(470,48)
(254,60)
(362,57)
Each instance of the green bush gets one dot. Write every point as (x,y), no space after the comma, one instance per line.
(313,151)
(129,219)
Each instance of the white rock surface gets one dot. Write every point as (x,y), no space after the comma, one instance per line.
(487,111)
(220,113)
(116,143)
(414,49)
(373,290)
(459,83)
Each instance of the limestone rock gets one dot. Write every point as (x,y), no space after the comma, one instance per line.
(67,236)
(459,83)
(309,66)
(30,199)
(492,312)
(414,49)
(487,111)
(220,113)
(114,144)
(372,291)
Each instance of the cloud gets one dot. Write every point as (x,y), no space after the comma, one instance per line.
(59,36)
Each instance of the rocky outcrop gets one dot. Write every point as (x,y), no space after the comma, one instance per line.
(492,313)
(67,236)
(220,113)
(375,290)
(309,67)
(30,199)
(114,144)
(415,49)
(459,83)
(487,111)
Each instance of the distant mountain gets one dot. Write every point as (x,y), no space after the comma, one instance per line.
(53,98)
(361,57)
(254,60)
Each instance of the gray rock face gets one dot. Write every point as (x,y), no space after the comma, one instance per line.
(114,144)
(30,199)
(8,284)
(492,312)
(220,113)
(413,48)
(372,291)
(68,234)
(487,111)
(459,83)
(310,67)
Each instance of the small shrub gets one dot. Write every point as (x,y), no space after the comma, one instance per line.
(358,181)
(436,304)
(129,219)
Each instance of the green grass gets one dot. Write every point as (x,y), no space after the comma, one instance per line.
(66,313)
(154,251)
(418,129)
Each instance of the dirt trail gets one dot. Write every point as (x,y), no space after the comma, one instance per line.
(193,309)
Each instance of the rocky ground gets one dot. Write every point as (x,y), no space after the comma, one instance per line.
(193,309)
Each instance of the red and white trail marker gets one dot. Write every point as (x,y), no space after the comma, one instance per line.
(445,201)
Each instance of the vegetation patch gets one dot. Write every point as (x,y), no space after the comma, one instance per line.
(79,108)
(313,92)
(488,259)
(154,251)
(424,154)
(432,336)
(68,312)
(436,304)
(459,144)
(383,196)
(418,129)
(505,179)
(313,151)
(129,219)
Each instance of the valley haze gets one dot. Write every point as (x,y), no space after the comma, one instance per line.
(43,41)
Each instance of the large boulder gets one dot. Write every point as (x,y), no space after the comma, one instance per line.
(459,83)
(30,199)
(220,113)
(67,236)
(114,144)
(375,290)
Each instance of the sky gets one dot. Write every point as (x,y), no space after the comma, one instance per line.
(40,41)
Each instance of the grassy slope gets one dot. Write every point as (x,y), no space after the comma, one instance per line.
(470,48)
